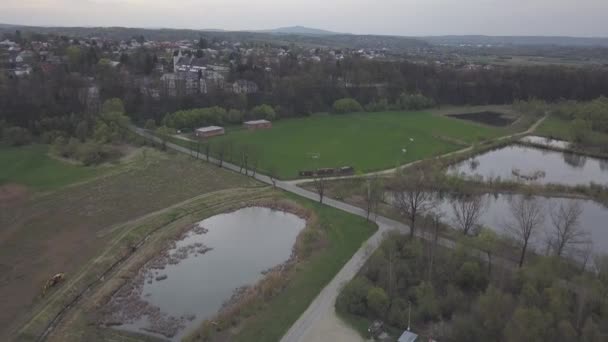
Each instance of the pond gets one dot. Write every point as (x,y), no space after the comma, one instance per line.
(529,164)
(190,282)
(496,214)
(487,118)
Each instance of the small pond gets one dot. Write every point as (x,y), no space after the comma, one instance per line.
(190,282)
(487,118)
(529,164)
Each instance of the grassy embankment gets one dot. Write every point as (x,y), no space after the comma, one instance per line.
(366,141)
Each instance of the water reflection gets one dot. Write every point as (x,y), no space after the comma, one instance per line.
(522,163)
(176,291)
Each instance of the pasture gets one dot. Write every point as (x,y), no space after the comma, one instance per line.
(366,141)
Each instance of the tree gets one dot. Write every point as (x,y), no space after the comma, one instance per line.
(221,153)
(16,136)
(164,132)
(468,209)
(319,182)
(347,105)
(415,101)
(427,306)
(150,124)
(591,332)
(273,173)
(527,217)
(486,242)
(353,297)
(374,192)
(491,309)
(470,278)
(412,197)
(566,232)
(528,324)
(377,301)
(82,130)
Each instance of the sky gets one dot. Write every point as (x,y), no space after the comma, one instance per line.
(584,18)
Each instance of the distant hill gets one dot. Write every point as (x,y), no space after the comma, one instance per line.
(516,40)
(327,39)
(300,30)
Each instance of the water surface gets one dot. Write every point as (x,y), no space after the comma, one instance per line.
(546,166)
(496,215)
(244,244)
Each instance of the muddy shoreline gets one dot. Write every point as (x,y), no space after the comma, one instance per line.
(128,306)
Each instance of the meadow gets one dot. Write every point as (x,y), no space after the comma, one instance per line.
(365,141)
(31,166)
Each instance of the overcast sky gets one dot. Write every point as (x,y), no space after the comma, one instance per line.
(397,17)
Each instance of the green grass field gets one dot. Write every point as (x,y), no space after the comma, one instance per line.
(366,141)
(31,166)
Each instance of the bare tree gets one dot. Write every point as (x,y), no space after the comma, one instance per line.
(567,232)
(527,217)
(207,151)
(255,159)
(374,193)
(320,183)
(273,173)
(413,196)
(468,209)
(221,153)
(436,218)
(245,150)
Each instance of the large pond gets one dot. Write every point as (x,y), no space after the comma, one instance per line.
(528,164)
(496,215)
(191,282)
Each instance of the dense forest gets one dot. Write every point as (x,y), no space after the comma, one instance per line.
(455,296)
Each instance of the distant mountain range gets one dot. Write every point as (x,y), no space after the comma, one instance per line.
(317,37)
(300,30)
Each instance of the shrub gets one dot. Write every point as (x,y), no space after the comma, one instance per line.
(379,106)
(264,112)
(16,136)
(347,105)
(415,101)
(150,124)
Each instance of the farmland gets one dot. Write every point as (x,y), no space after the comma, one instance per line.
(72,224)
(366,141)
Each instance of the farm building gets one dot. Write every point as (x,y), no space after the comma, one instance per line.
(208,132)
(258,124)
